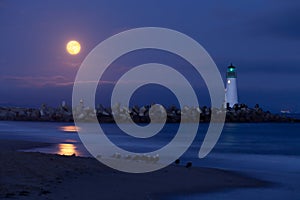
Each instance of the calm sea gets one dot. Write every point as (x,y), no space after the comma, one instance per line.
(269,151)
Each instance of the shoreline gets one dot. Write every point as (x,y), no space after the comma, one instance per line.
(31,175)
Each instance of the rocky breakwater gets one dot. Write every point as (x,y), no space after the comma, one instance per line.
(62,113)
(242,113)
(144,114)
(238,114)
(156,113)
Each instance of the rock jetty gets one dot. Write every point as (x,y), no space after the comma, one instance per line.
(144,114)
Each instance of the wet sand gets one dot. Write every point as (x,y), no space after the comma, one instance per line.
(25,175)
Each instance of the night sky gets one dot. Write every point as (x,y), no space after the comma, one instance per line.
(261,38)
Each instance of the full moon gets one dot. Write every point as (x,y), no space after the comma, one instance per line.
(73,47)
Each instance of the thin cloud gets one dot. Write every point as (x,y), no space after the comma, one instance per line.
(45,81)
(36,81)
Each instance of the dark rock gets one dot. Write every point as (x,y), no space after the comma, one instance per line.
(188,164)
(23,193)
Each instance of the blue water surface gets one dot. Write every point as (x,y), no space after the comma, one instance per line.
(268,151)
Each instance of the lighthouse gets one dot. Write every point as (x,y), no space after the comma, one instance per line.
(231,96)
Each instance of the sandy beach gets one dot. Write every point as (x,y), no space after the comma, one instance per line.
(26,175)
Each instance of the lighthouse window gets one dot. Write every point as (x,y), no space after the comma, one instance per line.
(228,81)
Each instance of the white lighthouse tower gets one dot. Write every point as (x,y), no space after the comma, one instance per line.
(231,96)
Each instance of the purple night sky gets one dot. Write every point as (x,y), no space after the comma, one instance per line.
(261,38)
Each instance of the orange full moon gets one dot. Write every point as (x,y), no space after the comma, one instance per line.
(73,47)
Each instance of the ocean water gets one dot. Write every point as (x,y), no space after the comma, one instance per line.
(268,151)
